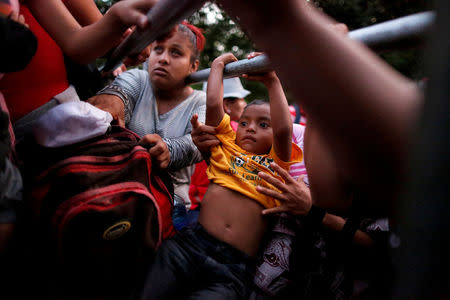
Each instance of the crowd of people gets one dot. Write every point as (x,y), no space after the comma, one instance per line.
(269,200)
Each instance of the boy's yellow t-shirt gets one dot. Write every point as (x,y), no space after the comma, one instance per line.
(234,168)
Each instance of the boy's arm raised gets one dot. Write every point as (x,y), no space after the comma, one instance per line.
(214,91)
(279,113)
(281,119)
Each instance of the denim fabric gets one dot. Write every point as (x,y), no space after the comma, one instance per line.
(195,265)
(192,216)
(179,216)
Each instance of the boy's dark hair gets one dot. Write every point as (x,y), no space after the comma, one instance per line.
(256,102)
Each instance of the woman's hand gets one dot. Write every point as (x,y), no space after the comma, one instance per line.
(132,12)
(157,148)
(203,135)
(119,70)
(134,60)
(112,104)
(295,196)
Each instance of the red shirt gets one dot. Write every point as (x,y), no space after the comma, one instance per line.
(199,184)
(44,77)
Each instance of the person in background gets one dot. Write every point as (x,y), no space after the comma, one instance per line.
(300,116)
(233,98)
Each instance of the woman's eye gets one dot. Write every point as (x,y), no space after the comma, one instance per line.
(176,53)
(158,49)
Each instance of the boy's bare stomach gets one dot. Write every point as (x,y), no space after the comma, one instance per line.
(233,218)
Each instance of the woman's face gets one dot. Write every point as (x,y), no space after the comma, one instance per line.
(170,61)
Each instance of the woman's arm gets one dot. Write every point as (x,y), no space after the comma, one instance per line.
(84,44)
(87,13)
(173,153)
(182,151)
(336,224)
(120,97)
(279,112)
(84,11)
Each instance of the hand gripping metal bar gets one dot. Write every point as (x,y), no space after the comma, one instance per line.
(258,64)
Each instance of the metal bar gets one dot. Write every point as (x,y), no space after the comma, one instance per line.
(161,18)
(409,29)
(412,28)
(259,64)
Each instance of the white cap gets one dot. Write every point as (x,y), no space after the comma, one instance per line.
(232,88)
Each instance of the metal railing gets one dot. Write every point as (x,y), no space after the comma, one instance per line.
(408,30)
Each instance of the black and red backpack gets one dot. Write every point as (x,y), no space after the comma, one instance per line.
(99,210)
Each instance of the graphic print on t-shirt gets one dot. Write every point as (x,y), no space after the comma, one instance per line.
(246,167)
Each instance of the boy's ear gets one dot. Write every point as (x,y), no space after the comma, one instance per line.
(194,66)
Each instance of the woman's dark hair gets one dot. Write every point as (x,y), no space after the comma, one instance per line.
(193,33)
(196,37)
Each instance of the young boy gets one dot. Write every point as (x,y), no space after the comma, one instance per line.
(215,258)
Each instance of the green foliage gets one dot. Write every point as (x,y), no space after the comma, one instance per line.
(361,13)
(222,34)
(104,5)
